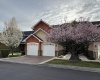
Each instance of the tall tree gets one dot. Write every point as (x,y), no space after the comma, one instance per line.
(12,34)
(74,36)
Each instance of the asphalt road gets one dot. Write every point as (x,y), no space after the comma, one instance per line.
(12,71)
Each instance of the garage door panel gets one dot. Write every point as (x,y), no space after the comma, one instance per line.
(32,49)
(49,50)
(98,51)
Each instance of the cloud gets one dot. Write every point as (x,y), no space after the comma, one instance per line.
(1,26)
(74,10)
(29,12)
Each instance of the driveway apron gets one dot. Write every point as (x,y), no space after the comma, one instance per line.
(27,59)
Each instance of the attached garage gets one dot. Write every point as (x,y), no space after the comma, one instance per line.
(98,51)
(32,49)
(48,50)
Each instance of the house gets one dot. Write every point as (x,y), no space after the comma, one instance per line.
(93,47)
(34,42)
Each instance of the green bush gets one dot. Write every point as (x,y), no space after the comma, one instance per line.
(5,53)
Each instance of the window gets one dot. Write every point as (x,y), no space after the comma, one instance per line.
(95,46)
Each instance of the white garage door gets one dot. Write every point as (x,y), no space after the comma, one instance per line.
(98,51)
(48,50)
(32,49)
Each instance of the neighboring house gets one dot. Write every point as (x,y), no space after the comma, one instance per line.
(93,48)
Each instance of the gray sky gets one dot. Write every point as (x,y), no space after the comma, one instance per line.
(29,12)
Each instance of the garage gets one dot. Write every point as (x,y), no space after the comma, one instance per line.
(48,50)
(98,51)
(32,49)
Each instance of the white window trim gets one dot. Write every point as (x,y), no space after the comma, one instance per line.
(30,36)
(39,30)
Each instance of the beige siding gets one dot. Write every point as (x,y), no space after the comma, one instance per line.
(90,47)
(94,47)
(60,47)
(42,35)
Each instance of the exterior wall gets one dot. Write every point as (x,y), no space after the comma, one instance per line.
(2,46)
(42,35)
(90,53)
(42,25)
(56,47)
(90,47)
(60,47)
(33,39)
(95,46)
(95,49)
(59,50)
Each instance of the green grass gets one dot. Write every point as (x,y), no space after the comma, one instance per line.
(15,55)
(80,63)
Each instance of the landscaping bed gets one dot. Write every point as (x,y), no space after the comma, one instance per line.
(80,63)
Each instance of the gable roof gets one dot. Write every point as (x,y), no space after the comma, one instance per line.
(39,22)
(41,30)
(40,40)
(38,37)
(27,33)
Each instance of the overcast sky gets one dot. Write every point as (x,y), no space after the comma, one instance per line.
(29,12)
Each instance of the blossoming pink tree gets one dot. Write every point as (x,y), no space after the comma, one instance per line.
(74,36)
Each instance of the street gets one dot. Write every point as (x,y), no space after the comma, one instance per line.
(15,71)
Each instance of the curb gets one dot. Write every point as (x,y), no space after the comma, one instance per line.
(18,62)
(74,68)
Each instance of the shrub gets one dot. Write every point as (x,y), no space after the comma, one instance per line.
(5,53)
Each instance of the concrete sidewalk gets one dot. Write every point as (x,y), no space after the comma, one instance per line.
(82,57)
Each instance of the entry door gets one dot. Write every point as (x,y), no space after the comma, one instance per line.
(98,51)
(48,50)
(32,49)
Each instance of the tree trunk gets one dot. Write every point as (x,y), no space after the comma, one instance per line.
(74,57)
(12,50)
(86,50)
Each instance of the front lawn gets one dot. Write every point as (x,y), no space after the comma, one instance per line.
(15,54)
(80,63)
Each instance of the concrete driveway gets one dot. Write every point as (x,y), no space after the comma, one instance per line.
(27,59)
